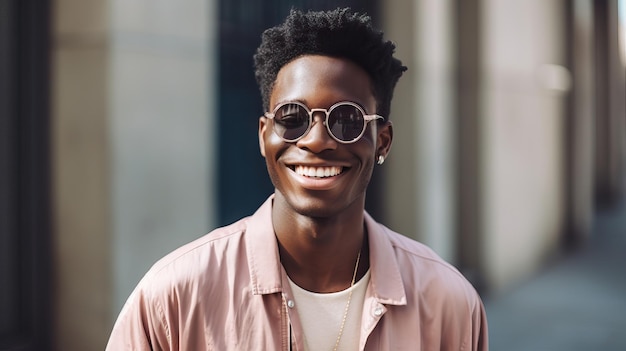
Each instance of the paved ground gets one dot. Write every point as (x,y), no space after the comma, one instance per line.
(577,304)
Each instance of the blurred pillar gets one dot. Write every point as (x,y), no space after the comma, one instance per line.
(400,173)
(81,174)
(133,155)
(580,127)
(25,206)
(161,117)
(420,169)
(610,107)
(469,121)
(522,106)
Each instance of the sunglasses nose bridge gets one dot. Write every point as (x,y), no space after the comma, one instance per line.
(318,137)
(318,120)
(322,113)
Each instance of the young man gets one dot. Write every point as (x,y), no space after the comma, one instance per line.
(310,270)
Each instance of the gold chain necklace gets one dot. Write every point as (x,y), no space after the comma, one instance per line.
(345,313)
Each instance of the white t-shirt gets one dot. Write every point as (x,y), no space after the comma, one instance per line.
(321,316)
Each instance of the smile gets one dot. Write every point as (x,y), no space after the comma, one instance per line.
(318,172)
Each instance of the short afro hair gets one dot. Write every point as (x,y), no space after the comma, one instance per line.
(336,33)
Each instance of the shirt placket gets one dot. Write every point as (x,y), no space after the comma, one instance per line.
(373,311)
(294,329)
(286,338)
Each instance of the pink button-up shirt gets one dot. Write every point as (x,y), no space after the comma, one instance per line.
(228,291)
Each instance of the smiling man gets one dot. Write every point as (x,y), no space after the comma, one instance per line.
(310,270)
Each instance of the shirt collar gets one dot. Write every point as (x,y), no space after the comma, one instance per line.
(265,266)
(386,279)
(262,250)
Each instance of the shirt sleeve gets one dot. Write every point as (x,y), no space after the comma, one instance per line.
(480,337)
(139,325)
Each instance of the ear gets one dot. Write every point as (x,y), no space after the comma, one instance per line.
(384,139)
(263,125)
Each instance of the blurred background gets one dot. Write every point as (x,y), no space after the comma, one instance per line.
(128,128)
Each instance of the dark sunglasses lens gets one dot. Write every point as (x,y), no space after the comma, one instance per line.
(291,121)
(346,122)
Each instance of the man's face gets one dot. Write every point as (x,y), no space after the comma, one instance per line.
(320,82)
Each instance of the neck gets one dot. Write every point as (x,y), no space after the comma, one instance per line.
(319,254)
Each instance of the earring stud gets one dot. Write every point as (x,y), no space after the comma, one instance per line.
(381,159)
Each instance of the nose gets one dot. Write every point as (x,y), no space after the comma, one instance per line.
(317,139)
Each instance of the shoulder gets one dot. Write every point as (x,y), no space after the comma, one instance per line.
(418,253)
(439,300)
(426,273)
(197,258)
(172,290)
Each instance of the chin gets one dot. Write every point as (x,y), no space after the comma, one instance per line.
(313,212)
(310,205)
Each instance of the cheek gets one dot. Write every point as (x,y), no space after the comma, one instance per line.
(272,167)
(370,138)
(367,153)
(274,146)
(368,168)
(271,143)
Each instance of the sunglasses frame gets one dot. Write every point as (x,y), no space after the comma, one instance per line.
(366,118)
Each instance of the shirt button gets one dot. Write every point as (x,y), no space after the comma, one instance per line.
(290,303)
(378,311)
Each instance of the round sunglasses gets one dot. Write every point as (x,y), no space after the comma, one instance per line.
(345,121)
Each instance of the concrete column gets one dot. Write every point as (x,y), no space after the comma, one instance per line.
(81,174)
(133,139)
(523,101)
(162,122)
(400,186)
(610,107)
(421,168)
(580,129)
(617,99)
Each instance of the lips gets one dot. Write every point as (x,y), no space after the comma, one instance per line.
(318,172)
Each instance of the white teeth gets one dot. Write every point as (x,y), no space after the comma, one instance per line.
(318,172)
